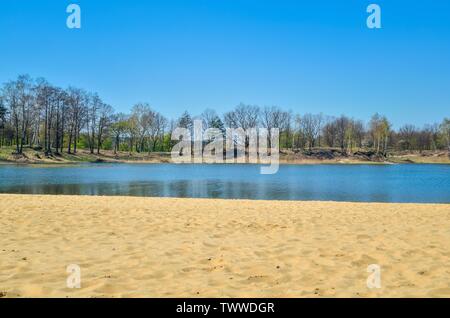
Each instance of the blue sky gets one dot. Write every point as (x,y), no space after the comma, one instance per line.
(307,56)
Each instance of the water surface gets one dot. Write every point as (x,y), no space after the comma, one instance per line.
(354,183)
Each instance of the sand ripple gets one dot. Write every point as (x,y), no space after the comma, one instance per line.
(148,247)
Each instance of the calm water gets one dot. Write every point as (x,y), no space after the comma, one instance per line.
(367,183)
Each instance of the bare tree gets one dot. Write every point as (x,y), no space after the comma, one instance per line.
(19,97)
(104,121)
(274,117)
(445,130)
(342,124)
(61,99)
(3,113)
(157,130)
(310,127)
(208,117)
(329,132)
(354,134)
(76,113)
(93,103)
(34,112)
(407,135)
(245,117)
(47,102)
(144,117)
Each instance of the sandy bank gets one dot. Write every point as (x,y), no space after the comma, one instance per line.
(145,247)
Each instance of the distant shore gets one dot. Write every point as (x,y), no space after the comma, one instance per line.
(303,157)
(161,247)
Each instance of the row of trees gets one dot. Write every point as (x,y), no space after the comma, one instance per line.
(34,113)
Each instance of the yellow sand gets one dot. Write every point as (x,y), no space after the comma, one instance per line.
(143,247)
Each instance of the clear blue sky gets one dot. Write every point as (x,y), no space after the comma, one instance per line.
(307,56)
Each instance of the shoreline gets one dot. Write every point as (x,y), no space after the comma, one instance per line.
(62,196)
(299,163)
(317,157)
(281,162)
(168,247)
(131,162)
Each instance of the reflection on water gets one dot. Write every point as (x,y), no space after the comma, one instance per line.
(394,183)
(183,189)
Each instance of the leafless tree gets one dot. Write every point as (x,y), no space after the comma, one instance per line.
(310,127)
(144,117)
(105,114)
(76,114)
(157,130)
(19,97)
(407,135)
(244,117)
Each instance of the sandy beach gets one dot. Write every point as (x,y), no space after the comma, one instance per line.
(151,247)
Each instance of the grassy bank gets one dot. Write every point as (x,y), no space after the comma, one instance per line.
(317,156)
(32,156)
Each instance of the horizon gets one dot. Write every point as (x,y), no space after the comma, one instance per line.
(178,56)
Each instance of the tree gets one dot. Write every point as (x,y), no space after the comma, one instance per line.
(380,131)
(3,112)
(211,120)
(289,133)
(118,129)
(61,107)
(93,103)
(157,130)
(132,131)
(385,132)
(208,117)
(19,97)
(36,113)
(105,117)
(359,132)
(329,132)
(310,127)
(144,117)
(244,117)
(217,123)
(445,131)
(76,114)
(407,135)
(429,138)
(274,118)
(47,102)
(185,121)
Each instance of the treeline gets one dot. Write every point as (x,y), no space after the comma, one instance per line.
(36,114)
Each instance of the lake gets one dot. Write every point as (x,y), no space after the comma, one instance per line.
(353,183)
